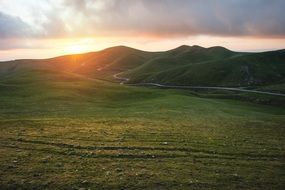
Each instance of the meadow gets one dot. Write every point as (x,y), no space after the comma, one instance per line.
(65,131)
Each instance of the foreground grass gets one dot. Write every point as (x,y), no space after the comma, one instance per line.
(72,133)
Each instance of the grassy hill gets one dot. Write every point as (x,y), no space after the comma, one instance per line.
(102,64)
(185,65)
(212,67)
(61,130)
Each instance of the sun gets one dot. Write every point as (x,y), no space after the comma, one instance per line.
(75,49)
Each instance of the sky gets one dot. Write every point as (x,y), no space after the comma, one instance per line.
(47,28)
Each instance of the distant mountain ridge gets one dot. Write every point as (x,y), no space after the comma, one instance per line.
(184,65)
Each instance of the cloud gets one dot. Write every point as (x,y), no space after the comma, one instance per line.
(160,18)
(180,18)
(11,26)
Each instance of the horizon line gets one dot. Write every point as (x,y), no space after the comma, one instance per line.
(117,46)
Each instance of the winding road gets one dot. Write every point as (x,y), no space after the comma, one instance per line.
(124,79)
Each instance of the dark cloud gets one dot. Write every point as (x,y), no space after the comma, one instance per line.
(164,18)
(183,17)
(191,17)
(12,27)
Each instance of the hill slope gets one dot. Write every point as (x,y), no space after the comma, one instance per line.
(64,130)
(185,65)
(213,67)
(61,130)
(115,58)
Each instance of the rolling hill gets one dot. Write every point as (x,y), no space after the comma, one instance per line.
(185,65)
(214,66)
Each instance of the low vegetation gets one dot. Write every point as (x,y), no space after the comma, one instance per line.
(60,130)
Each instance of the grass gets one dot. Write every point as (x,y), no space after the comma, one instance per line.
(63,131)
(212,67)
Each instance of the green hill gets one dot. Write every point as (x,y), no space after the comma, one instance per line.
(185,65)
(96,64)
(214,66)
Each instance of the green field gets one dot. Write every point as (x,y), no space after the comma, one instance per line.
(64,131)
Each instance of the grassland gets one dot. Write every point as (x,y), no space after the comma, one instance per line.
(216,66)
(65,131)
